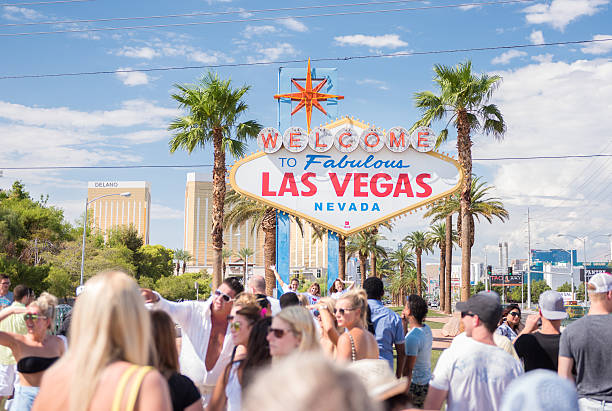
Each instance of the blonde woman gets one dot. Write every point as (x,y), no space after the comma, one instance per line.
(34,352)
(358,343)
(106,365)
(323,312)
(292,330)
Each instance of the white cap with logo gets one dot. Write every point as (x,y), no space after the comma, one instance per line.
(600,283)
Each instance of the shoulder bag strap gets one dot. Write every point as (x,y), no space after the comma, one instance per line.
(121,387)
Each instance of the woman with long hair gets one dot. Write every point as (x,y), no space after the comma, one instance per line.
(323,312)
(258,350)
(510,322)
(228,391)
(358,343)
(338,288)
(106,366)
(183,392)
(292,330)
(35,351)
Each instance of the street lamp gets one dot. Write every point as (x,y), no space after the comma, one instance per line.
(583,239)
(87,203)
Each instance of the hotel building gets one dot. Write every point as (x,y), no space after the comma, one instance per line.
(113,210)
(308,257)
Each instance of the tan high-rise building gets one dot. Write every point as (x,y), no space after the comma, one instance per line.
(306,255)
(114,210)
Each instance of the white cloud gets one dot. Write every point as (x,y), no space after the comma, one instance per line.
(272,53)
(507,56)
(162,212)
(252,31)
(602,47)
(559,13)
(536,37)
(138,52)
(293,24)
(20,13)
(391,41)
(469,7)
(372,82)
(132,78)
(543,58)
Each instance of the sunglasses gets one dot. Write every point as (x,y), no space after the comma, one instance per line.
(225,297)
(342,311)
(278,332)
(515,314)
(235,326)
(32,317)
(467,314)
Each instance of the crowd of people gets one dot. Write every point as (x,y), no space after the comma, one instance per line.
(243,350)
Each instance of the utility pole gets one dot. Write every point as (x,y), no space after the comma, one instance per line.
(528,260)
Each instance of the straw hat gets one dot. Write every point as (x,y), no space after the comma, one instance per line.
(378,378)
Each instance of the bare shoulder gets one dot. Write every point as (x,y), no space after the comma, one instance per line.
(154,393)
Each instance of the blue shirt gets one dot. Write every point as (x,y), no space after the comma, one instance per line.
(506,331)
(388,330)
(418,344)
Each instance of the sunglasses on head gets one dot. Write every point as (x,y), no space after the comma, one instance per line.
(342,311)
(467,314)
(225,297)
(278,332)
(32,317)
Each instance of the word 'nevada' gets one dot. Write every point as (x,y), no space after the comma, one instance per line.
(346,139)
(379,185)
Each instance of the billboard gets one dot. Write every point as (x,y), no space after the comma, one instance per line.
(509,280)
(347,175)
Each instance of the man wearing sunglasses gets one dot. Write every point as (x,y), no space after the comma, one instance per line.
(206,344)
(474,374)
(6,297)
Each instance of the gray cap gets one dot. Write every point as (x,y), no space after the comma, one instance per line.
(484,304)
(540,390)
(551,305)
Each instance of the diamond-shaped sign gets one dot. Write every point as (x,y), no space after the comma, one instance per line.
(366,177)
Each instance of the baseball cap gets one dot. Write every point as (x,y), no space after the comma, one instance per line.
(486,305)
(540,390)
(551,305)
(602,283)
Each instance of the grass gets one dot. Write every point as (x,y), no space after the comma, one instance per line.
(430,313)
(435,354)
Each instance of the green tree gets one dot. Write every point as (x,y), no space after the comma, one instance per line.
(214,115)
(182,257)
(403,261)
(565,287)
(154,261)
(183,286)
(464,97)
(365,244)
(437,235)
(420,243)
(127,236)
(478,287)
(60,283)
(537,288)
(244,254)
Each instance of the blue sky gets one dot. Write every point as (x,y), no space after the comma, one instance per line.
(556,99)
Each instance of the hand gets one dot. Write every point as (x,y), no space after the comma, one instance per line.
(149,295)
(531,324)
(273,267)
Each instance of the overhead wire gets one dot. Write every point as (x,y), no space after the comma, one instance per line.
(212,13)
(259,19)
(321,59)
(40,3)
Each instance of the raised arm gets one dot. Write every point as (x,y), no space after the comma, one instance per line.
(278,277)
(180,312)
(8,311)
(349,286)
(327,323)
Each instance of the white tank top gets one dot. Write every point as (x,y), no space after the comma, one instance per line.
(233,390)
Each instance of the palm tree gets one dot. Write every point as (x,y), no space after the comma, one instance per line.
(464,96)
(403,260)
(341,257)
(242,209)
(214,109)
(419,243)
(365,244)
(244,254)
(225,253)
(181,256)
(437,235)
(374,256)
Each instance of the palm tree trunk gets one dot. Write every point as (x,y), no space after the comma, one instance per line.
(448,260)
(341,257)
(464,148)
(418,267)
(268,225)
(362,267)
(372,265)
(442,283)
(217,208)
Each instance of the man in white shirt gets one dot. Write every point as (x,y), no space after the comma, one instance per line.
(257,285)
(473,375)
(206,344)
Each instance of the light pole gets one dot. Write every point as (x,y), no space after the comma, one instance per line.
(87,203)
(583,239)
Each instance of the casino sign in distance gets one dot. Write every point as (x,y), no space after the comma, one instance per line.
(346,175)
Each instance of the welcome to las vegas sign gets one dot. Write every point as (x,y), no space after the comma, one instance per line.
(346,175)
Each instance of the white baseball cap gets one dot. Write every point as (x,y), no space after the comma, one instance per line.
(600,283)
(551,305)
